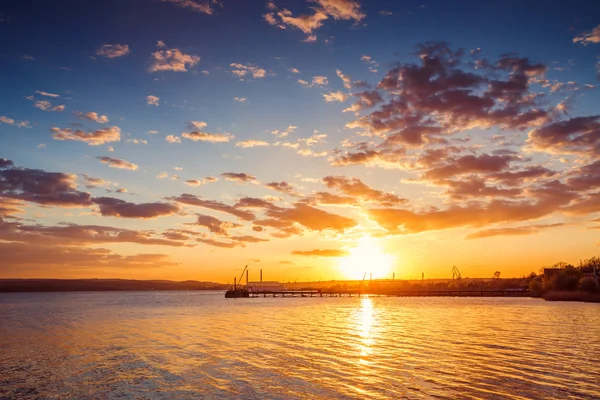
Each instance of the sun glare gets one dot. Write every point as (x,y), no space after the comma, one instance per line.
(365,259)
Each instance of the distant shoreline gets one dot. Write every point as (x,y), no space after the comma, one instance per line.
(101,285)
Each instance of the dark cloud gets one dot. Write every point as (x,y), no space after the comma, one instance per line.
(192,200)
(238,177)
(110,206)
(215,225)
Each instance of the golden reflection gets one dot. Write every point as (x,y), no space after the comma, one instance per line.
(366,323)
(366,258)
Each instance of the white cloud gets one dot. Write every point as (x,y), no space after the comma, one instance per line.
(251,143)
(240,99)
(335,96)
(47,94)
(173,139)
(294,71)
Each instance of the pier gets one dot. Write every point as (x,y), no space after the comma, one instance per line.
(389,293)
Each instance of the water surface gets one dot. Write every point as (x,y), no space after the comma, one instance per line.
(169,345)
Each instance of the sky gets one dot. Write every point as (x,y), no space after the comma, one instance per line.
(312,139)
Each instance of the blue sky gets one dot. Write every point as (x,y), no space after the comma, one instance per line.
(55,72)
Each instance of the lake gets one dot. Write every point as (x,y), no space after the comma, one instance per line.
(199,345)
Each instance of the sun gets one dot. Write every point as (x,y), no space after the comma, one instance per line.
(366,258)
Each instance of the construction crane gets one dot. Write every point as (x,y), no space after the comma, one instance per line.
(455,273)
(242,275)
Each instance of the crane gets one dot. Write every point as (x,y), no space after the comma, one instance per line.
(455,273)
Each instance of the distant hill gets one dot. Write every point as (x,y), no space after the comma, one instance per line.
(87,285)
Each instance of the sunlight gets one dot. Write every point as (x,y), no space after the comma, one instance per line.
(366,258)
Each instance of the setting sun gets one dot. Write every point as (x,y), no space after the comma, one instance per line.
(366,258)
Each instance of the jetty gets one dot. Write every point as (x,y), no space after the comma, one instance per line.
(370,288)
(387,293)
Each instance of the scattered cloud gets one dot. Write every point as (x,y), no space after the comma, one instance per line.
(197,6)
(242,71)
(118,163)
(92,138)
(113,50)
(251,143)
(47,94)
(586,38)
(238,177)
(240,99)
(173,139)
(172,60)
(92,116)
(335,96)
(152,100)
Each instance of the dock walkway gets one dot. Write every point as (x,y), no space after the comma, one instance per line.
(391,293)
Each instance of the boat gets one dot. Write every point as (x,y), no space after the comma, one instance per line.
(237,291)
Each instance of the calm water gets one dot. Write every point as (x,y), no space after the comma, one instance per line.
(168,345)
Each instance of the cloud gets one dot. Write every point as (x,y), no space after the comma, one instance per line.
(241,70)
(47,94)
(173,139)
(521,230)
(92,116)
(215,225)
(109,206)
(469,164)
(355,188)
(45,105)
(118,163)
(240,99)
(335,96)
(251,143)
(22,256)
(41,187)
(238,177)
(113,50)
(92,138)
(216,243)
(283,187)
(78,235)
(345,79)
(400,221)
(6,120)
(312,218)
(336,9)
(199,7)
(198,135)
(579,135)
(311,153)
(137,141)
(588,37)
(152,100)
(249,239)
(342,9)
(319,81)
(153,132)
(294,71)
(204,181)
(280,134)
(321,253)
(197,201)
(172,60)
